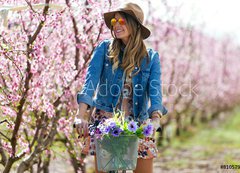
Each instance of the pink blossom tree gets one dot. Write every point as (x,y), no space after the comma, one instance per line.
(199,73)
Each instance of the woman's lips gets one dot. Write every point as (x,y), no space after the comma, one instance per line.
(118,30)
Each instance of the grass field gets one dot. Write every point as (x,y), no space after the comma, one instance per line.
(206,150)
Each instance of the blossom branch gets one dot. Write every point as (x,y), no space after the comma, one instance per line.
(5,136)
(5,121)
(36,134)
(45,11)
(27,81)
(3,160)
(30,5)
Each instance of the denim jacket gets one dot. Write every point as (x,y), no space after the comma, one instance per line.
(108,84)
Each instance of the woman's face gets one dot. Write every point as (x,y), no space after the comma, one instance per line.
(120,29)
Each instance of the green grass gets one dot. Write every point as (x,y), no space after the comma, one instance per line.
(183,163)
(204,142)
(213,140)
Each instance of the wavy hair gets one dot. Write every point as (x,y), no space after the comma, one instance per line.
(134,51)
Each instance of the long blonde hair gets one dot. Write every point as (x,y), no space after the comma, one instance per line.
(134,51)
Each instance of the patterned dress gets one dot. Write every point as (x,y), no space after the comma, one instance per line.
(147,148)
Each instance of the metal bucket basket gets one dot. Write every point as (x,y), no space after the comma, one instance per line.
(117,153)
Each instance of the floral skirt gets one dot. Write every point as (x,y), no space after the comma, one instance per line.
(146,148)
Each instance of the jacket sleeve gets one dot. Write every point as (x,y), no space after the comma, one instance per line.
(93,75)
(155,88)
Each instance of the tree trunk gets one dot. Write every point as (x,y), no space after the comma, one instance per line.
(193,118)
(8,165)
(178,129)
(203,119)
(215,115)
(46,164)
(160,138)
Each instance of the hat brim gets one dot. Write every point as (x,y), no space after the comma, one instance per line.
(109,15)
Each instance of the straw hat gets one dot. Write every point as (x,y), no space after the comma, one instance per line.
(132,9)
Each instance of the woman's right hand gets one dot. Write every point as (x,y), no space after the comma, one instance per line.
(81,126)
(80,123)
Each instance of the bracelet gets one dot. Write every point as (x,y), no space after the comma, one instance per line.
(76,122)
(158,112)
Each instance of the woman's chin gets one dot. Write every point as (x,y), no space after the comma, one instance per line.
(119,36)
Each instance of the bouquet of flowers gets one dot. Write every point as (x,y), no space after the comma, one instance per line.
(116,142)
(118,125)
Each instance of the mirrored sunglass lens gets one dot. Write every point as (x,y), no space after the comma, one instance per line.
(113,22)
(121,21)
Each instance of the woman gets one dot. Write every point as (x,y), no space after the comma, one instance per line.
(126,76)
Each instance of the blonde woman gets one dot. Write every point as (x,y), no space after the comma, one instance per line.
(126,76)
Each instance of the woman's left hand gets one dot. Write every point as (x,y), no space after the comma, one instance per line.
(156,122)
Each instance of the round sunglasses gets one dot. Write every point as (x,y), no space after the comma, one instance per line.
(114,21)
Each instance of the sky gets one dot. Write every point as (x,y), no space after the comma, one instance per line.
(216,17)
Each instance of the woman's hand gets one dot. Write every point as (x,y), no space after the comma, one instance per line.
(80,123)
(156,120)
(81,126)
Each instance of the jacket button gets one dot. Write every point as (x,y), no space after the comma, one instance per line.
(136,85)
(106,64)
(136,103)
(136,68)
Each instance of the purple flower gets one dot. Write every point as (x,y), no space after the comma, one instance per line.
(132,126)
(101,127)
(112,125)
(116,131)
(150,127)
(98,131)
(106,130)
(148,130)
